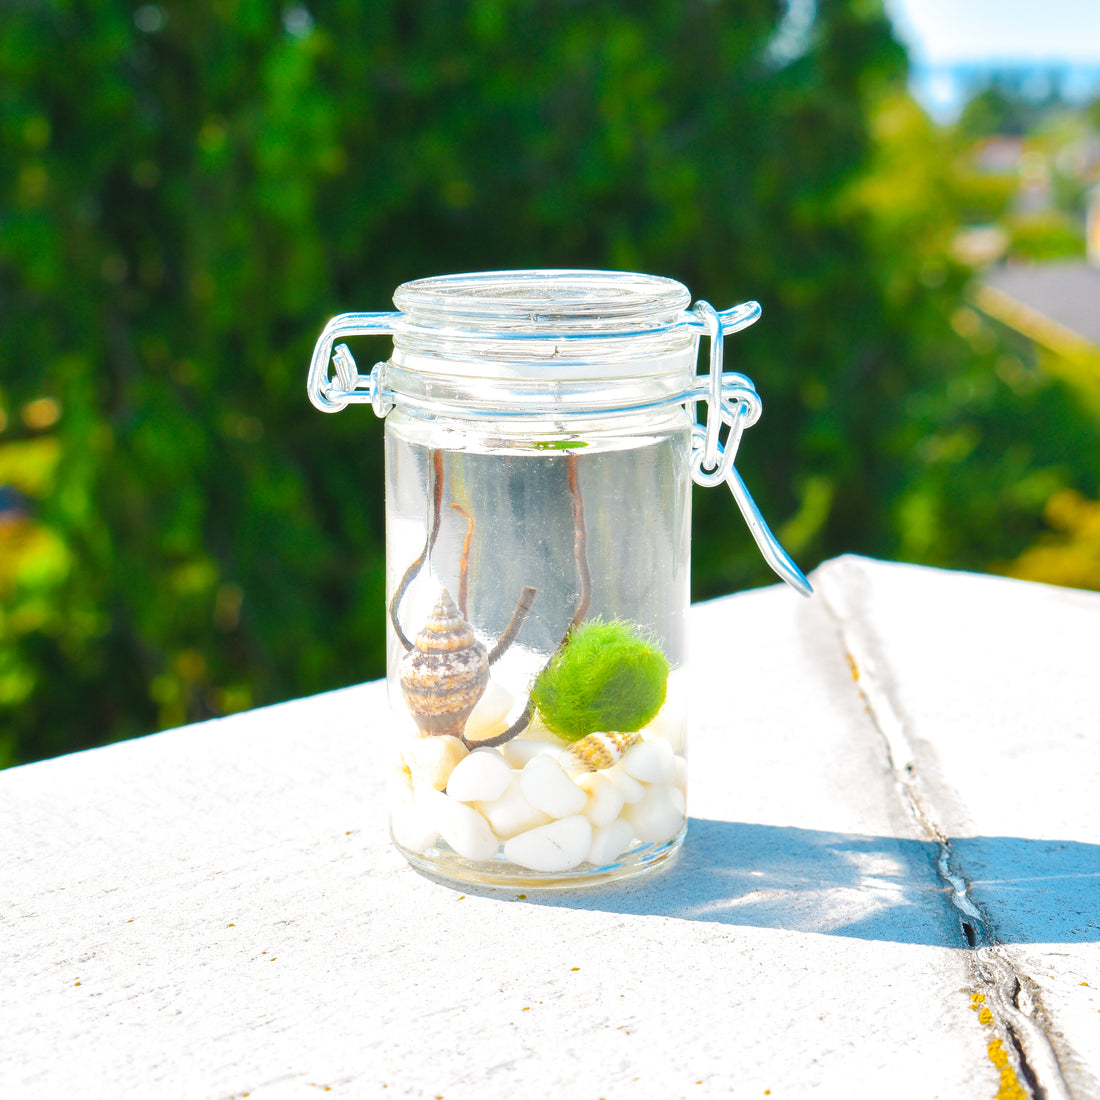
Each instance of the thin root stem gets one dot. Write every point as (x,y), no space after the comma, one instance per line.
(429,542)
(526,598)
(584,602)
(580,552)
(516,728)
(464,561)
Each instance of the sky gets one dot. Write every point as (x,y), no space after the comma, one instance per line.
(944,31)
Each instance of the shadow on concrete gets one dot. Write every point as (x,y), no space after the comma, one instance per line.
(866,887)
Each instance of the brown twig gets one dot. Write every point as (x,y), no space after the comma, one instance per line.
(464,560)
(526,598)
(580,553)
(429,542)
(514,730)
(523,605)
(584,602)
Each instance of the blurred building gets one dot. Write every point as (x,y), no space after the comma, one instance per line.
(1054,304)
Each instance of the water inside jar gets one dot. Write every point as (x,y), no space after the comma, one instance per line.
(594,521)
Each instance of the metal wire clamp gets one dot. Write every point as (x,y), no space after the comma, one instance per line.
(732,402)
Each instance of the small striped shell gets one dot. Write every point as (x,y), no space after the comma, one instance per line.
(598,750)
(444,674)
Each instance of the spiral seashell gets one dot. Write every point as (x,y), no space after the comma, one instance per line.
(598,750)
(445,673)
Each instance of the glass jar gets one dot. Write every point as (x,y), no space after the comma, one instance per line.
(541,442)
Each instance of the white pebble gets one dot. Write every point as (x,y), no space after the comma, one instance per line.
(609,842)
(537,731)
(399,781)
(651,761)
(461,826)
(680,779)
(669,725)
(559,846)
(490,717)
(679,800)
(631,790)
(412,825)
(431,760)
(520,750)
(482,776)
(512,813)
(549,789)
(658,816)
(605,800)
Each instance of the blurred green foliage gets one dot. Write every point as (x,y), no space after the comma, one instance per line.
(188,191)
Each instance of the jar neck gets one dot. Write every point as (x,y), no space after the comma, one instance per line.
(580,433)
(480,387)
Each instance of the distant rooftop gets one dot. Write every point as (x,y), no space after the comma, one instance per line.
(1055,304)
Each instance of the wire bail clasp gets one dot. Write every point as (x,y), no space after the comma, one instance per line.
(732,402)
(349,386)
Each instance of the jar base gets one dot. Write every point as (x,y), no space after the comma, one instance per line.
(449,867)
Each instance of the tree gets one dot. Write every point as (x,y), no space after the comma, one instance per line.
(200,186)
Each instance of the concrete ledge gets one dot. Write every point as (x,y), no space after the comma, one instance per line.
(890,886)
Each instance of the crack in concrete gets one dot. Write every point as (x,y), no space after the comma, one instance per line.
(1013,999)
(972,918)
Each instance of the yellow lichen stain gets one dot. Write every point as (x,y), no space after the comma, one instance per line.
(76,983)
(1011,1088)
(574,969)
(522,897)
(977,997)
(1084,983)
(985,1016)
(853,667)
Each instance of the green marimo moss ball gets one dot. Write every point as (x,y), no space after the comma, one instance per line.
(608,678)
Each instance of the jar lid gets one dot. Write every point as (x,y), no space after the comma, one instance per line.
(543,303)
(547,325)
